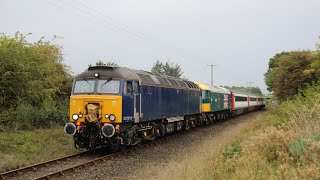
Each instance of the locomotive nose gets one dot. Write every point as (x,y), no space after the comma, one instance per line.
(70,129)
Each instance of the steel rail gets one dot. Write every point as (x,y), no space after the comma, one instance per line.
(33,167)
(83,165)
(114,155)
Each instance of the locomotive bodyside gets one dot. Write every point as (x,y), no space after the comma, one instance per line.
(216,102)
(120,106)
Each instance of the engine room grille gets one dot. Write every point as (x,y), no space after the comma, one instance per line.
(182,84)
(163,81)
(173,82)
(146,79)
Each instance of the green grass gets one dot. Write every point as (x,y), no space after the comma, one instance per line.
(22,148)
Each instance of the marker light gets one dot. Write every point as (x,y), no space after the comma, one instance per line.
(112,117)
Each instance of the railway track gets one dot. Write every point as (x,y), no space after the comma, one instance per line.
(113,156)
(25,171)
(45,171)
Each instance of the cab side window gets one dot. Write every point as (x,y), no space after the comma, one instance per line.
(128,87)
(136,87)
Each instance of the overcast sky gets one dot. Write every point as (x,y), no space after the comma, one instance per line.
(239,36)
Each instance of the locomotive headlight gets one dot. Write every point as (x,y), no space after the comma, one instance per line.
(112,117)
(107,116)
(75,117)
(70,129)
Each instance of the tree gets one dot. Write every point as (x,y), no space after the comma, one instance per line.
(290,72)
(269,76)
(157,68)
(256,90)
(34,80)
(168,68)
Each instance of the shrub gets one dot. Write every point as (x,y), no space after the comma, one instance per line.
(35,84)
(26,116)
(232,150)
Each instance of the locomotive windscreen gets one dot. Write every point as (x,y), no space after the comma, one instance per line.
(84,86)
(103,86)
(108,87)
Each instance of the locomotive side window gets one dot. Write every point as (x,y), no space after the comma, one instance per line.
(84,86)
(135,87)
(129,87)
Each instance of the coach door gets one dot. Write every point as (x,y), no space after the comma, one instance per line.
(136,101)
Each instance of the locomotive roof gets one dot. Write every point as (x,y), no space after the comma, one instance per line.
(131,74)
(211,88)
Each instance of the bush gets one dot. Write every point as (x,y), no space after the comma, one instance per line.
(27,117)
(232,150)
(35,84)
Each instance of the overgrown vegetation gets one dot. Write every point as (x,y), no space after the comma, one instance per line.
(35,84)
(285,144)
(23,148)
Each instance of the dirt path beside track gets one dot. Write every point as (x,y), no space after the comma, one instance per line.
(161,161)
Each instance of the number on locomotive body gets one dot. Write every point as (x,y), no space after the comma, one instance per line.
(127,118)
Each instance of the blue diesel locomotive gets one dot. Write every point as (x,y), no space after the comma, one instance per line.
(121,106)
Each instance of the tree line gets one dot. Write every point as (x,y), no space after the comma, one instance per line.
(245,90)
(292,72)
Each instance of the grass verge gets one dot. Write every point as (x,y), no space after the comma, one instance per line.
(22,148)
